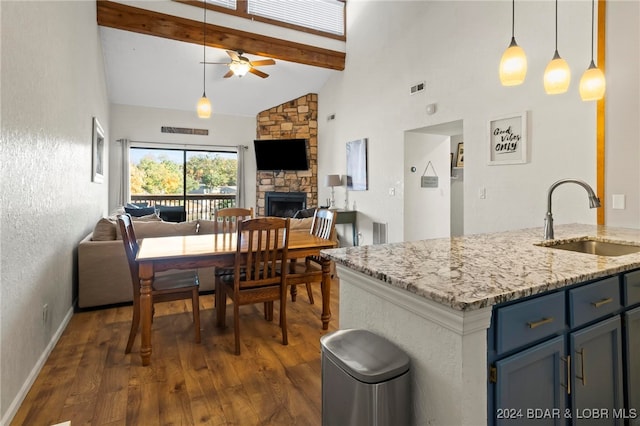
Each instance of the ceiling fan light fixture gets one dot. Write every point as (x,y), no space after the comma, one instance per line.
(240,68)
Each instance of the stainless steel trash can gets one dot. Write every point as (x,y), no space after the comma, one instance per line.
(365,380)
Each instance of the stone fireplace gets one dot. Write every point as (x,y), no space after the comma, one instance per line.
(294,119)
(284,204)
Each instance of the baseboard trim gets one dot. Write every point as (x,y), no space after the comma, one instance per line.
(17,401)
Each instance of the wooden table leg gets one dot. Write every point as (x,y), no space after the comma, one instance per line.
(145,272)
(326,293)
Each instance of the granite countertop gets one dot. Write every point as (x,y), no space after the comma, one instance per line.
(475,271)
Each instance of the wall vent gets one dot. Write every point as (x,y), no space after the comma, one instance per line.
(416,88)
(379,233)
(184,131)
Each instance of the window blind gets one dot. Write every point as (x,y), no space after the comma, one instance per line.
(321,15)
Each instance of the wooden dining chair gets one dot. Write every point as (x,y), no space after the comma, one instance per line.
(226,220)
(167,286)
(257,275)
(310,270)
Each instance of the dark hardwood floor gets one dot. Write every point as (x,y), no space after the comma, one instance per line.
(90,381)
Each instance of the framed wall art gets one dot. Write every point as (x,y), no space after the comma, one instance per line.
(97,152)
(460,155)
(508,139)
(357,165)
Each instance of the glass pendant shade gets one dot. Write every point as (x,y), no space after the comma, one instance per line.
(557,76)
(204,107)
(592,84)
(513,65)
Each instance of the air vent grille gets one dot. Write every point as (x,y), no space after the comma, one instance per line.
(184,130)
(417,88)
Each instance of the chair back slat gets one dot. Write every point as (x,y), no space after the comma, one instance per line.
(267,242)
(226,220)
(130,248)
(323,223)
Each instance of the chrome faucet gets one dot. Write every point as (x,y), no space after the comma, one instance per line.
(594,202)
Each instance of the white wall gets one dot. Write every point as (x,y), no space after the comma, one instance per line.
(456,47)
(426,210)
(52,84)
(143,124)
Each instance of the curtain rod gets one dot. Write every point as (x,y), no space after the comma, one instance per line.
(185,146)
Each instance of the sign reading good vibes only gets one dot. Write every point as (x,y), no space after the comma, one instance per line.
(508,140)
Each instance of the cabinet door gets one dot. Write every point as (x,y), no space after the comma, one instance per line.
(632,320)
(596,373)
(530,384)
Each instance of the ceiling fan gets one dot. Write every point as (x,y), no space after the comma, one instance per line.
(240,65)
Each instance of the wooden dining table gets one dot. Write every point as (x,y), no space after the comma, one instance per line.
(159,254)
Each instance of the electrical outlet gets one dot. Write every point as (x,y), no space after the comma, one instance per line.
(45,313)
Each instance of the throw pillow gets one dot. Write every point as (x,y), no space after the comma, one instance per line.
(137,211)
(105,230)
(164,229)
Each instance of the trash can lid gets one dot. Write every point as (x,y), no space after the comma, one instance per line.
(364,355)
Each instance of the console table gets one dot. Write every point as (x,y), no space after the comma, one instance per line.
(348,217)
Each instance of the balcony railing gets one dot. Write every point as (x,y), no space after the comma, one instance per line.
(198,206)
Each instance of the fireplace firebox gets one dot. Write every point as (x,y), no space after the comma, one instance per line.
(284,204)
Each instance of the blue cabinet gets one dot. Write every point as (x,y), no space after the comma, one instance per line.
(632,352)
(530,380)
(568,357)
(596,373)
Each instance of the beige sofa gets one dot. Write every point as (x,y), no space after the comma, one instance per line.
(103,272)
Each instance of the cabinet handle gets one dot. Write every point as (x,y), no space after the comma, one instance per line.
(582,353)
(539,323)
(602,302)
(568,375)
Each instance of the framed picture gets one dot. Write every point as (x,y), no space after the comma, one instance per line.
(460,155)
(357,165)
(97,152)
(508,139)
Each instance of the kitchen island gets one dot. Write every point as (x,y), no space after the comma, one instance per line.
(436,299)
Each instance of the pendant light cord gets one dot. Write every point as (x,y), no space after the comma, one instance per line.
(556,26)
(513,18)
(592,13)
(204,49)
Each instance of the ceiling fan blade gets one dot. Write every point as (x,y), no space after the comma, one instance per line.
(228,74)
(214,63)
(233,55)
(258,72)
(263,62)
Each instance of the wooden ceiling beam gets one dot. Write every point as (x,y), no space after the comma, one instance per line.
(143,21)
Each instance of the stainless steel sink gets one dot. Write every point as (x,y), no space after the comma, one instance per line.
(593,246)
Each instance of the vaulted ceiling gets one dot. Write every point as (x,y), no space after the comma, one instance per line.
(153,59)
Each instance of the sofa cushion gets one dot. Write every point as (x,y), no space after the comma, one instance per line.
(206,226)
(301,224)
(105,230)
(148,218)
(163,229)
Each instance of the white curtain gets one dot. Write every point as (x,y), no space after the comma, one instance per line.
(240,198)
(123,193)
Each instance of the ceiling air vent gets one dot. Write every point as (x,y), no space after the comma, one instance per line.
(416,88)
(184,131)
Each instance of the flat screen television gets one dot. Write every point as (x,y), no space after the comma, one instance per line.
(281,154)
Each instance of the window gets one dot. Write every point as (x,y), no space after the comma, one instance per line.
(320,15)
(183,184)
(229,4)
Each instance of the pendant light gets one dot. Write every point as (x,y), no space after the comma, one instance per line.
(204,105)
(557,75)
(513,65)
(592,83)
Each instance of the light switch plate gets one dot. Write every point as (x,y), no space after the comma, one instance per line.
(618,201)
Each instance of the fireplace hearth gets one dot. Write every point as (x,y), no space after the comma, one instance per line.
(284,204)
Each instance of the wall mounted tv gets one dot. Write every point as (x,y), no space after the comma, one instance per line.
(281,154)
